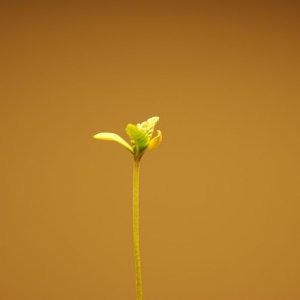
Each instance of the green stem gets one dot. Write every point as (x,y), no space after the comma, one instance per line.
(136,233)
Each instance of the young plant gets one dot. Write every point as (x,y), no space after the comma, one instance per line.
(140,141)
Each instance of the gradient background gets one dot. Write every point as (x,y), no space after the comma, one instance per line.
(219,199)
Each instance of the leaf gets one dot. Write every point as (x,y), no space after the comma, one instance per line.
(108,136)
(156,141)
(139,138)
(148,126)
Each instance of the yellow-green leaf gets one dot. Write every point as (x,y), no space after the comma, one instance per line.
(148,126)
(108,136)
(139,138)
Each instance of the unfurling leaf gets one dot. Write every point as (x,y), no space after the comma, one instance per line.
(148,126)
(139,138)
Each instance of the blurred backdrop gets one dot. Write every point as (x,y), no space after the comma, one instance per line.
(219,198)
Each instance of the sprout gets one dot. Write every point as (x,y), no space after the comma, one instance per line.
(140,137)
(140,140)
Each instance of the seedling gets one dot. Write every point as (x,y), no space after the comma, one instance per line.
(140,141)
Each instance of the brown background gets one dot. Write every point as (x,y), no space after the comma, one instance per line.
(220,197)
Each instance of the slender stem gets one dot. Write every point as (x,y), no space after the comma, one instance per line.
(136,233)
